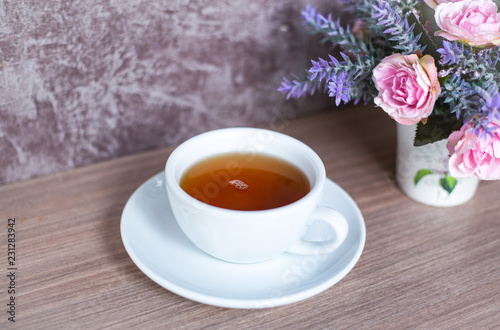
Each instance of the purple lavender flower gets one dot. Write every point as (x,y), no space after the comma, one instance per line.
(386,16)
(397,26)
(491,106)
(340,87)
(451,52)
(481,128)
(323,69)
(311,16)
(298,88)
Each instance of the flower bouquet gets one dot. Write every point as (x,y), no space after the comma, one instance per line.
(430,63)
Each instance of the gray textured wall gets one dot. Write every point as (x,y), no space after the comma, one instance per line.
(83,81)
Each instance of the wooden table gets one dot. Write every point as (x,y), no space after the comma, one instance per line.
(422,267)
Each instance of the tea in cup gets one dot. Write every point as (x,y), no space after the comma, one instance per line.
(236,181)
(247,195)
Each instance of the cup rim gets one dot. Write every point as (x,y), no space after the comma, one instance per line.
(174,187)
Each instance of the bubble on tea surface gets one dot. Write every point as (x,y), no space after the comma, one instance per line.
(238,184)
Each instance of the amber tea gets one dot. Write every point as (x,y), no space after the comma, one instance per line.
(245,182)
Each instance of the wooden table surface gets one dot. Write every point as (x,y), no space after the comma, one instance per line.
(422,267)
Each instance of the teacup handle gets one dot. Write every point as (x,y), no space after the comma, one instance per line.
(335,220)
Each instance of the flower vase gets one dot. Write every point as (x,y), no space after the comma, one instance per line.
(422,172)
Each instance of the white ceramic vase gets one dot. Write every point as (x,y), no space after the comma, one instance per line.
(422,172)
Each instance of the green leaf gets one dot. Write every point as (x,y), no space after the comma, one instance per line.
(420,174)
(425,39)
(448,183)
(437,128)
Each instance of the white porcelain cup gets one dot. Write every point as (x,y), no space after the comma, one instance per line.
(252,236)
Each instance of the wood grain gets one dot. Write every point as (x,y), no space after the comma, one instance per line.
(422,267)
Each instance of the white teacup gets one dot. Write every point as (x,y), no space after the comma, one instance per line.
(252,236)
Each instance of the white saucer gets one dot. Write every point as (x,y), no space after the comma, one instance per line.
(160,249)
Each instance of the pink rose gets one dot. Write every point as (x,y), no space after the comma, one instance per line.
(475,22)
(408,87)
(435,3)
(474,156)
